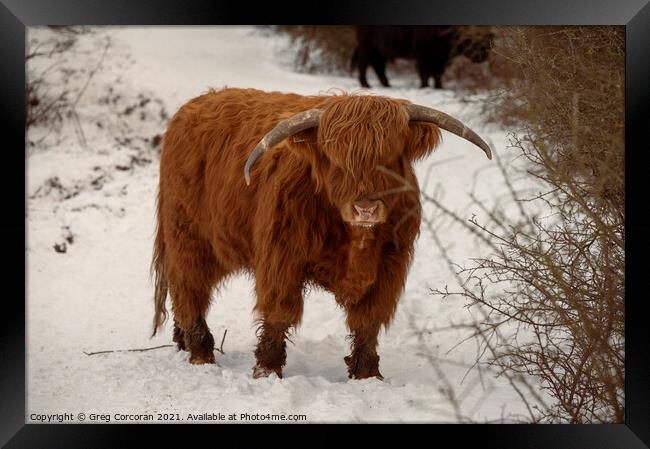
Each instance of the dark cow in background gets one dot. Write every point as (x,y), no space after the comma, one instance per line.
(432,47)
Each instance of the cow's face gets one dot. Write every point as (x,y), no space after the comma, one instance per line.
(363,198)
(360,150)
(367,146)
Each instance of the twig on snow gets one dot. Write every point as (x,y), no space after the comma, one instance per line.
(220,349)
(127,350)
(222,340)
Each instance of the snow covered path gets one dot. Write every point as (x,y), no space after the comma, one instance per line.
(98,296)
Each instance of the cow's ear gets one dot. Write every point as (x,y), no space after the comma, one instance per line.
(421,140)
(304,145)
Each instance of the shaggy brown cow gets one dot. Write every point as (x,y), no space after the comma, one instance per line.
(332,201)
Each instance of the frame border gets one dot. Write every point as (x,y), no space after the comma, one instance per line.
(15,15)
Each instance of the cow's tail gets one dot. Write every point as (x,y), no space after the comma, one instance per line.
(354,59)
(158,271)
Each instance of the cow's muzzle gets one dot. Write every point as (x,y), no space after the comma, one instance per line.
(364,213)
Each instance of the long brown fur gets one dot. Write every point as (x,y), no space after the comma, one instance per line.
(286,227)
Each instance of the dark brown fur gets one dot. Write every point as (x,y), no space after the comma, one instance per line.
(286,227)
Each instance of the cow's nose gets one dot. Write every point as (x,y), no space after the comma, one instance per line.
(366,210)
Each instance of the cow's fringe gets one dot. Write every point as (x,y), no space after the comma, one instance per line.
(159,273)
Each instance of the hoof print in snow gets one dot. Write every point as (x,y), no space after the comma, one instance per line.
(60,247)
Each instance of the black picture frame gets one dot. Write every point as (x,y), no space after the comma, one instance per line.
(15,15)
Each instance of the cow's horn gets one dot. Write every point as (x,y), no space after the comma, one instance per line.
(292,125)
(447,122)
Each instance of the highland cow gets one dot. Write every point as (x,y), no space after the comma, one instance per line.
(327,197)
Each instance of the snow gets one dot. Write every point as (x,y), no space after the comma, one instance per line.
(98,295)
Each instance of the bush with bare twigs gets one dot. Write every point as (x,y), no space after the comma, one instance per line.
(321,49)
(550,296)
(44,105)
(79,100)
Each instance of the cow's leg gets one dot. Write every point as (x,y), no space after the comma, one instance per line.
(363,68)
(379,65)
(437,79)
(423,72)
(374,310)
(437,69)
(271,353)
(190,305)
(202,354)
(363,362)
(362,64)
(192,272)
(279,305)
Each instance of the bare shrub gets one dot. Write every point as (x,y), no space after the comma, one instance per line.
(550,295)
(469,77)
(49,95)
(44,106)
(73,91)
(321,49)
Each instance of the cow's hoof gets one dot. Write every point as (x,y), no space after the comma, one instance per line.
(259,371)
(359,371)
(367,376)
(202,359)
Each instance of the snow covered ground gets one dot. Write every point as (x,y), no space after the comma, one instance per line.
(94,193)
